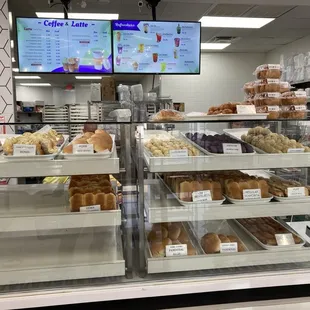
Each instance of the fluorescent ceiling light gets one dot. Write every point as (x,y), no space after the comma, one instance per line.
(214,46)
(88,77)
(234,22)
(10,20)
(12,43)
(78,15)
(26,77)
(13,59)
(35,84)
(15,69)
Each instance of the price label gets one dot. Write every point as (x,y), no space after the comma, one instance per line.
(300,94)
(273,108)
(202,196)
(24,150)
(179,153)
(232,148)
(94,208)
(229,247)
(83,149)
(246,109)
(274,67)
(296,150)
(176,250)
(249,194)
(300,108)
(285,239)
(273,95)
(296,192)
(273,81)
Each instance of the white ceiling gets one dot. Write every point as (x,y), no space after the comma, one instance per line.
(292,17)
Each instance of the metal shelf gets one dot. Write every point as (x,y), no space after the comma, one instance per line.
(70,255)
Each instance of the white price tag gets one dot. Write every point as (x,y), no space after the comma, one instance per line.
(300,94)
(273,108)
(296,192)
(24,150)
(296,150)
(179,153)
(285,239)
(232,148)
(229,247)
(273,81)
(246,109)
(249,194)
(83,149)
(176,250)
(274,67)
(202,196)
(273,95)
(300,108)
(94,208)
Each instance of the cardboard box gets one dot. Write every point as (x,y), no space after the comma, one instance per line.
(108,89)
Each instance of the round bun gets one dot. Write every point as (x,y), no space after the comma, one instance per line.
(211,243)
(68,149)
(174,232)
(153,236)
(167,241)
(190,249)
(158,249)
(224,239)
(183,237)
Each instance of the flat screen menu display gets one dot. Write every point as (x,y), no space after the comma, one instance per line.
(156,47)
(64,46)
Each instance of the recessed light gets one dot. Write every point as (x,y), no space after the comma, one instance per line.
(12,43)
(10,20)
(13,59)
(88,77)
(234,22)
(36,84)
(89,16)
(214,46)
(15,69)
(26,77)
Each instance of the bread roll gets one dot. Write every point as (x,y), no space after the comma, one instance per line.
(79,141)
(100,200)
(233,190)
(76,202)
(217,193)
(89,199)
(211,243)
(224,239)
(110,201)
(166,242)
(174,232)
(158,249)
(190,249)
(185,191)
(101,143)
(153,236)
(183,237)
(87,135)
(68,149)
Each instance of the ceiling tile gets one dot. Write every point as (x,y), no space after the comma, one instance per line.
(267,11)
(228,10)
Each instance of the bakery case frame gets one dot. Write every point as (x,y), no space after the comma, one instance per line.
(103,249)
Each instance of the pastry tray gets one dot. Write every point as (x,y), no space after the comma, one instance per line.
(221,117)
(206,204)
(190,234)
(275,247)
(217,227)
(250,201)
(101,155)
(215,154)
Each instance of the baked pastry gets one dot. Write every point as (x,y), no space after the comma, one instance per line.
(168,115)
(294,111)
(249,89)
(68,149)
(110,201)
(268,71)
(274,112)
(101,142)
(294,98)
(76,201)
(174,232)
(285,87)
(267,99)
(158,249)
(211,243)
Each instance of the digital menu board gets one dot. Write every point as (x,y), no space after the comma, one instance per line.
(64,46)
(156,47)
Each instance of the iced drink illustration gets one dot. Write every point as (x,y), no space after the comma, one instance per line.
(135,66)
(98,59)
(179,29)
(77,64)
(177,42)
(158,37)
(71,64)
(65,64)
(163,67)
(141,48)
(120,48)
(175,53)
(118,36)
(155,57)
(118,60)
(146,28)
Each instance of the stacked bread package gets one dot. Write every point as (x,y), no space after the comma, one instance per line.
(165,234)
(91,190)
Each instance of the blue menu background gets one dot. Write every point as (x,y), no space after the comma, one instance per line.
(156,47)
(59,45)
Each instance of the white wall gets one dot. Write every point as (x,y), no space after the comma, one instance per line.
(222,78)
(147,82)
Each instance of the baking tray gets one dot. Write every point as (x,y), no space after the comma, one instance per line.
(191,236)
(212,203)
(221,117)
(217,227)
(215,154)
(250,201)
(275,247)
(103,155)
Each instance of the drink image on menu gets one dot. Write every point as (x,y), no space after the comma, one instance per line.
(146,28)
(77,63)
(177,42)
(141,48)
(175,53)
(118,36)
(163,67)
(179,29)
(65,64)
(158,37)
(155,57)
(71,63)
(118,60)
(135,66)
(98,59)
(120,48)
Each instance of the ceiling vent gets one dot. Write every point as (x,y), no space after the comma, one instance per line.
(224,39)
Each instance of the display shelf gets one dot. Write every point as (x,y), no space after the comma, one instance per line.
(161,206)
(69,255)
(232,162)
(256,256)
(46,207)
